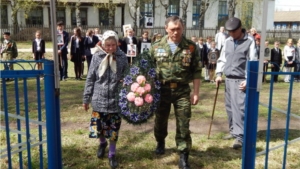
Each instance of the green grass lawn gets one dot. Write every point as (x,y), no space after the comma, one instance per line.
(136,143)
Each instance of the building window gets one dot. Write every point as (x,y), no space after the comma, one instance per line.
(147,10)
(223,13)
(83,17)
(196,12)
(103,16)
(4,15)
(247,11)
(60,15)
(35,17)
(173,7)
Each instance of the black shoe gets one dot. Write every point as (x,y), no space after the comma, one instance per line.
(113,162)
(237,144)
(228,137)
(160,148)
(183,161)
(101,150)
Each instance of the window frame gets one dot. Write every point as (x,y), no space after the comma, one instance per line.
(107,19)
(31,18)
(59,9)
(175,3)
(222,12)
(4,14)
(146,13)
(73,11)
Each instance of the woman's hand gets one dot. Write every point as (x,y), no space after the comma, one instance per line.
(85,106)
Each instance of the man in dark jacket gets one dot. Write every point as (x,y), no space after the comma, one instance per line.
(276,59)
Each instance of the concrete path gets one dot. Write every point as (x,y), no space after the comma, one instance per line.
(29,50)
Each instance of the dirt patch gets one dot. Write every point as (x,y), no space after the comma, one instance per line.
(196,126)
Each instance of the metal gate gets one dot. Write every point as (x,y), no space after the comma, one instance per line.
(30,109)
(251,118)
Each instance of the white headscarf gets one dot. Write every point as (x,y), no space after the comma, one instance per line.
(109,58)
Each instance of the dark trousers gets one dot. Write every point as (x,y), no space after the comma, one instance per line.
(297,69)
(89,59)
(265,69)
(180,98)
(275,68)
(63,68)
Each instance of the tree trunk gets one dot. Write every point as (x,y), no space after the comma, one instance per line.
(111,14)
(14,17)
(77,12)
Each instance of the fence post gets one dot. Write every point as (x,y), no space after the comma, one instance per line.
(251,116)
(52,118)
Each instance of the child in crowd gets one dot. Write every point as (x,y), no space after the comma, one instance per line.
(289,57)
(104,77)
(9,51)
(38,49)
(130,39)
(77,52)
(208,45)
(202,49)
(297,61)
(266,59)
(276,59)
(213,56)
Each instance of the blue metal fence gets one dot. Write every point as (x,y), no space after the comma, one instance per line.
(19,118)
(251,117)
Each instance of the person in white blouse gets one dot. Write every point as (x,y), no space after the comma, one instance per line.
(220,38)
(289,57)
(38,48)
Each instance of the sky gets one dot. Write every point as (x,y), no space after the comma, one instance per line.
(287,5)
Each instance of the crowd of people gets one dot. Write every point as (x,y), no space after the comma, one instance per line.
(179,61)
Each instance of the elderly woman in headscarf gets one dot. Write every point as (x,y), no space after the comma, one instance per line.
(104,76)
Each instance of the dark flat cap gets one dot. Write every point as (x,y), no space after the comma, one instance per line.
(6,33)
(233,24)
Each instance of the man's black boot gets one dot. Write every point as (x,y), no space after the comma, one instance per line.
(101,150)
(183,161)
(160,148)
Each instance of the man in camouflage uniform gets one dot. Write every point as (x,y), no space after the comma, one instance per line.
(178,64)
(9,50)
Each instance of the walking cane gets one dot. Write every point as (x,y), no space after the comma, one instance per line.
(213,111)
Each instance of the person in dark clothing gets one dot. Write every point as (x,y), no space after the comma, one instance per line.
(202,49)
(276,59)
(77,52)
(129,39)
(38,48)
(90,41)
(63,51)
(297,61)
(143,39)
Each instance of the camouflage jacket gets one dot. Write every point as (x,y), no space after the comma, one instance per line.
(9,47)
(183,66)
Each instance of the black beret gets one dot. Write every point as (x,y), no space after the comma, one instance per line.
(60,23)
(233,24)
(6,33)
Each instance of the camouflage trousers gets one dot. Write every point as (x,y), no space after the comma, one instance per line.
(8,57)
(180,98)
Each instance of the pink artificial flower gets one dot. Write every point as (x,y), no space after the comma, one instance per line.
(138,101)
(148,98)
(141,79)
(140,90)
(130,96)
(134,86)
(147,87)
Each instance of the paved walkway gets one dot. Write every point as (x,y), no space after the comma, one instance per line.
(29,50)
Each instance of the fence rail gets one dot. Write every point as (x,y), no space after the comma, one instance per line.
(26,32)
